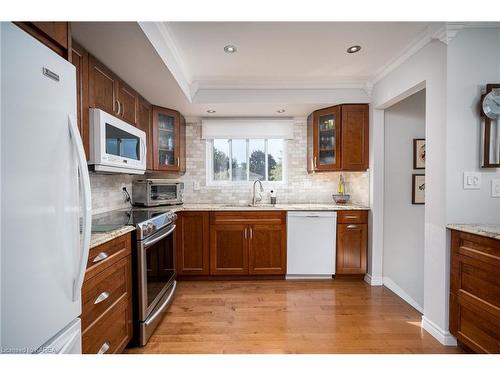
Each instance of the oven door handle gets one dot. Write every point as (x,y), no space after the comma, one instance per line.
(158,237)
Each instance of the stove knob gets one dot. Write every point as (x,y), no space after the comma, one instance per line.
(173,217)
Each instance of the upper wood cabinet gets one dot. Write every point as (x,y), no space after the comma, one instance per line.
(337,139)
(144,120)
(109,93)
(192,243)
(55,35)
(169,140)
(80,59)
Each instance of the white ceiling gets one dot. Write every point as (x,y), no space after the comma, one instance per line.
(296,66)
(311,53)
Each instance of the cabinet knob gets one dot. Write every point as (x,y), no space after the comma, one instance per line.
(352,226)
(101,297)
(104,348)
(101,256)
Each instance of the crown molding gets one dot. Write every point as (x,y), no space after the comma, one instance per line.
(161,38)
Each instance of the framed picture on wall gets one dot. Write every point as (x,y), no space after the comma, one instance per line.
(418,189)
(419,154)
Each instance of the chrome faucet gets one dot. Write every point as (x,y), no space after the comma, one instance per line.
(256,200)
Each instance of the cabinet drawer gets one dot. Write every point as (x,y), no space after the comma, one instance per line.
(355,217)
(111,332)
(248,217)
(102,291)
(102,256)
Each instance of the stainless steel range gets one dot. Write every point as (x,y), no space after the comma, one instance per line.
(156,270)
(154,273)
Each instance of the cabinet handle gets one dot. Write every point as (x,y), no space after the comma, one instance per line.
(178,162)
(104,348)
(101,297)
(352,226)
(251,233)
(122,106)
(117,111)
(351,217)
(101,256)
(246,236)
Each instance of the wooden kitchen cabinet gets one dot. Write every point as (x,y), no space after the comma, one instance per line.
(144,119)
(192,243)
(352,242)
(354,137)
(109,93)
(337,139)
(80,59)
(475,291)
(55,35)
(267,250)
(247,243)
(169,140)
(107,298)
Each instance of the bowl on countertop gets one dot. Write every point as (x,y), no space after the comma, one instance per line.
(341,198)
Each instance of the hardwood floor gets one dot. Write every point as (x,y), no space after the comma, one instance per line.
(341,316)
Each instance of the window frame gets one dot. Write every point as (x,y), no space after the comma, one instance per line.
(210,170)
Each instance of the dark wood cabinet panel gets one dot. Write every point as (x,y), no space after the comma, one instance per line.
(267,250)
(229,249)
(144,118)
(102,87)
(192,243)
(80,59)
(55,35)
(166,139)
(107,297)
(475,291)
(337,139)
(352,243)
(182,145)
(354,137)
(127,102)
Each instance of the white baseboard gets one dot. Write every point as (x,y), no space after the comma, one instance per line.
(444,337)
(401,293)
(308,277)
(373,280)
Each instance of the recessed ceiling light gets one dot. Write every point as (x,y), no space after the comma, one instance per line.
(230,49)
(211,111)
(353,49)
(280,111)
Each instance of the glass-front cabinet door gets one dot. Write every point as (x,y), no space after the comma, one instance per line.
(326,134)
(166,139)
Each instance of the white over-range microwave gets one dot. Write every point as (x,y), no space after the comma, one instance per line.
(115,146)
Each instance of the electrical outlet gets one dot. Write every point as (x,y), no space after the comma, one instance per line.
(495,188)
(472,180)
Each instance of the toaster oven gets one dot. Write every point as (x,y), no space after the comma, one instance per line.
(157,192)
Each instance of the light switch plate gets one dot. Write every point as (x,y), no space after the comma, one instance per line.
(495,188)
(472,180)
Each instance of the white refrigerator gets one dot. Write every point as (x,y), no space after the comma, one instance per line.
(45,199)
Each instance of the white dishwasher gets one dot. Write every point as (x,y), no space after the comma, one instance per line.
(311,244)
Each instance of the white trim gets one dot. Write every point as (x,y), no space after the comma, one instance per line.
(389,283)
(164,44)
(309,277)
(425,38)
(444,337)
(374,280)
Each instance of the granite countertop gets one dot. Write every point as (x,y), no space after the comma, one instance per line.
(99,238)
(485,230)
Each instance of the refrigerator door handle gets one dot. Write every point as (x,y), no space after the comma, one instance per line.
(87,206)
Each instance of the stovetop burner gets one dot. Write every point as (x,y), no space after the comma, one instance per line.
(147,220)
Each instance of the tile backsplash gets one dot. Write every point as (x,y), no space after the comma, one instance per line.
(107,193)
(300,186)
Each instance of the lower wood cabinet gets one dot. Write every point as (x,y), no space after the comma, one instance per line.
(247,243)
(352,242)
(192,243)
(475,291)
(107,298)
